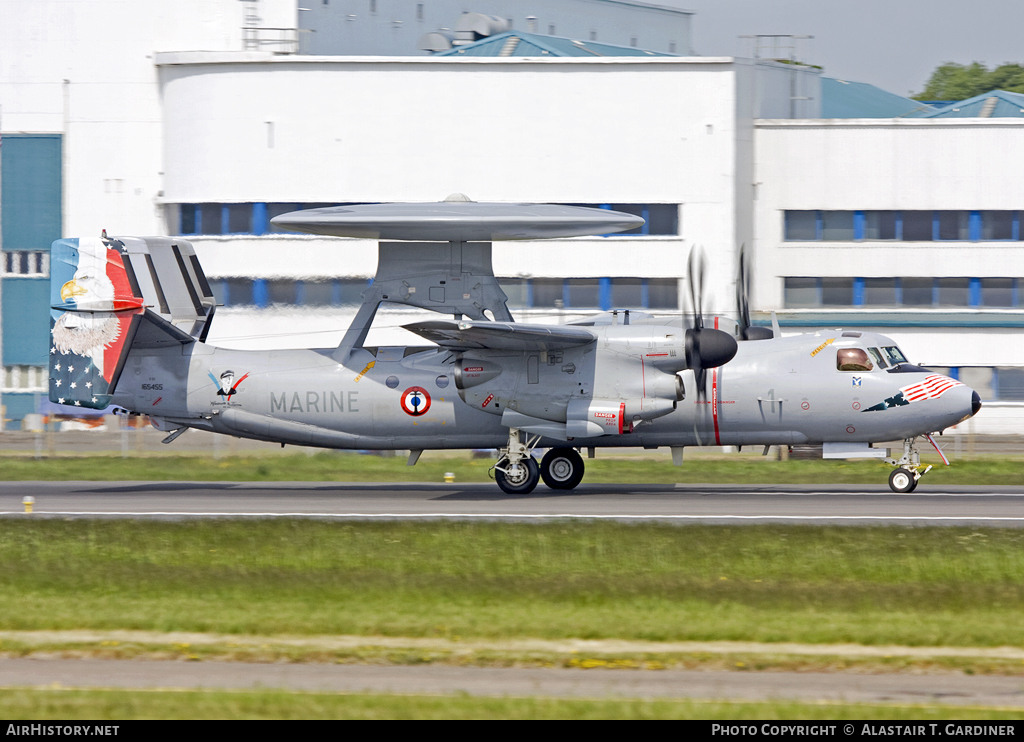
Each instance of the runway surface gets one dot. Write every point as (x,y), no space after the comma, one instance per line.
(1005,692)
(681,503)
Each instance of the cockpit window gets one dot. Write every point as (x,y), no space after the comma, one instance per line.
(853,359)
(894,355)
(877,355)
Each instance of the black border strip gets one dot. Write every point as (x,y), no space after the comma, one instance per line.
(129,270)
(204,285)
(156,282)
(188,281)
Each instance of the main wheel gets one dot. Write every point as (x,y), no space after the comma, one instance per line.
(902,481)
(518,479)
(561,468)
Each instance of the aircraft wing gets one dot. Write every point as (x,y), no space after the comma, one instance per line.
(501,335)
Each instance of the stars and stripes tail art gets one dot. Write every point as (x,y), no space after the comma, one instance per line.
(933,387)
(93,303)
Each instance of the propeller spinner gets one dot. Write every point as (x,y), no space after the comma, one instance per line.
(705,347)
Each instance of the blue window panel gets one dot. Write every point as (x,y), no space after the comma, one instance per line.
(566,298)
(1016,294)
(187,219)
(31,197)
(935,293)
(605,292)
(935,234)
(19,404)
(1016,226)
(974,226)
(225,220)
(199,220)
(336,292)
(995,382)
(645,294)
(858,226)
(529,293)
(899,292)
(899,225)
(954,373)
(300,292)
(858,291)
(260,223)
(260,295)
(645,212)
(26,322)
(974,293)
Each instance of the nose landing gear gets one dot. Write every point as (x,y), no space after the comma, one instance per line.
(908,470)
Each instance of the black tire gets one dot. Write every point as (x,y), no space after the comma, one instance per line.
(522,485)
(901,480)
(562,468)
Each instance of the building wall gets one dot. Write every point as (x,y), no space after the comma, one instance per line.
(394,27)
(329,129)
(964,166)
(85,69)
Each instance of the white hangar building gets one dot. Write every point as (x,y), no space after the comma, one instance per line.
(911,226)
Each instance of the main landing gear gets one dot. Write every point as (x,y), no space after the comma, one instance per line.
(517,472)
(908,472)
(561,468)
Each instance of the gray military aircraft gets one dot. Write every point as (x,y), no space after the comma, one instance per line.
(131,316)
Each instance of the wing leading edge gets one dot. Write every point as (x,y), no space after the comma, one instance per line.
(501,335)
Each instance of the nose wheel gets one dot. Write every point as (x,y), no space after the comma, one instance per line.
(561,468)
(902,480)
(908,471)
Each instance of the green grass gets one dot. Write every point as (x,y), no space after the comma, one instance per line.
(609,468)
(869,585)
(109,705)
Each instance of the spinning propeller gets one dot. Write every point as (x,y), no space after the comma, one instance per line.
(746,330)
(705,348)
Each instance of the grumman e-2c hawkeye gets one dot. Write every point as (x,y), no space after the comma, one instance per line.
(130,319)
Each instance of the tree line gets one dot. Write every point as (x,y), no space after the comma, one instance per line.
(952,81)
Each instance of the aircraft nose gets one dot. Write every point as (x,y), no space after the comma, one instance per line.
(975,403)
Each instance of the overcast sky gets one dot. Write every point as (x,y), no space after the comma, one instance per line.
(894,44)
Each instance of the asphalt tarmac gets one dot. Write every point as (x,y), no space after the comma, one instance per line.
(976,690)
(681,503)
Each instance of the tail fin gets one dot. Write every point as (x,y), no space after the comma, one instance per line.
(101,291)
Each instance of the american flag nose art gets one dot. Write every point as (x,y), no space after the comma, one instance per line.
(932,387)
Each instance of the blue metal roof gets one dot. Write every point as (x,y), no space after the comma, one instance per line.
(521,44)
(994,104)
(842,99)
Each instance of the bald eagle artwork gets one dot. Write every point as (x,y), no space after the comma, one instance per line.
(85,334)
(88,335)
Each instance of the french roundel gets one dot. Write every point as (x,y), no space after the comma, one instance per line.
(415,401)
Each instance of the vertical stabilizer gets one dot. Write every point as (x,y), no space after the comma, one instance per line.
(93,305)
(100,292)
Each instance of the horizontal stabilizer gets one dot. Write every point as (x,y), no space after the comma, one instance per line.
(501,335)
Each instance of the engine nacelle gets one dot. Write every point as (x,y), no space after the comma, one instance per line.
(473,372)
(588,418)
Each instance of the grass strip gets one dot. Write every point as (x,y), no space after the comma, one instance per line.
(609,468)
(374,654)
(774,583)
(101,705)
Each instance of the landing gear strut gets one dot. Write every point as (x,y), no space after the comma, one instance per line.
(517,472)
(561,468)
(908,470)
